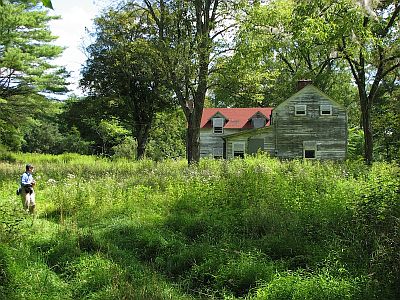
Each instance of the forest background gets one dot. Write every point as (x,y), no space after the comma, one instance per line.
(154,65)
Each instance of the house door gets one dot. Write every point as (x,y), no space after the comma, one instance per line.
(255,145)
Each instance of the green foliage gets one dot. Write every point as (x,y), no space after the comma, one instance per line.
(5,271)
(46,3)
(355,143)
(26,69)
(42,138)
(377,214)
(277,45)
(126,149)
(386,122)
(6,155)
(298,286)
(126,65)
(84,114)
(256,228)
(167,136)
(110,132)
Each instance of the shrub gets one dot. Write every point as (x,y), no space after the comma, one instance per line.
(5,155)
(126,149)
(377,214)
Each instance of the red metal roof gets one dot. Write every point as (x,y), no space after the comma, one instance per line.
(236,117)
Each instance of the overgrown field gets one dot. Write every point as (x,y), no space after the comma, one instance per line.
(249,229)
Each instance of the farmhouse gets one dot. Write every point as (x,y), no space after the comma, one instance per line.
(308,125)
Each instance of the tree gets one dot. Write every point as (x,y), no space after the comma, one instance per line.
(25,69)
(46,3)
(271,55)
(386,120)
(366,35)
(188,32)
(85,114)
(110,132)
(167,136)
(125,65)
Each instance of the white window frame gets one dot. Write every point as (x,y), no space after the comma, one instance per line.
(325,110)
(299,109)
(309,146)
(218,125)
(241,145)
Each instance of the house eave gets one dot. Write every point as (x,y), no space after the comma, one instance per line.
(248,131)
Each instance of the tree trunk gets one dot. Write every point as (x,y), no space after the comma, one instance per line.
(194,118)
(192,140)
(365,105)
(141,134)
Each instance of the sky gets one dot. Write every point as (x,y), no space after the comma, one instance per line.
(76,15)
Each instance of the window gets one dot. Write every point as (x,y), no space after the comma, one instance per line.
(238,149)
(258,122)
(218,125)
(309,150)
(325,110)
(217,153)
(309,153)
(300,110)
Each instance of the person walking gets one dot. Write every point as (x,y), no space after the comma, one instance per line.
(27,191)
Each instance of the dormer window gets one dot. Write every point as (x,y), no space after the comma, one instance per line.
(218,125)
(300,110)
(325,110)
(259,122)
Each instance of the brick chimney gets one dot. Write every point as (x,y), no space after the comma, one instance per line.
(302,83)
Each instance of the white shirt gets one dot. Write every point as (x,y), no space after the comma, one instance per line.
(26,179)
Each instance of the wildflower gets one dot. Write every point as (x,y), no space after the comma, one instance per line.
(51,181)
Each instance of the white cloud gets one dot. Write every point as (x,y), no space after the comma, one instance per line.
(76,15)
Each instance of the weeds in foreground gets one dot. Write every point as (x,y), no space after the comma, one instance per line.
(249,229)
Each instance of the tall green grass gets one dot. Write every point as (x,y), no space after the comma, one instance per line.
(257,228)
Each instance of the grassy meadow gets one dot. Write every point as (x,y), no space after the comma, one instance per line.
(252,229)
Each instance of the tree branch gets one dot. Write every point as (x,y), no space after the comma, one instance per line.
(393,18)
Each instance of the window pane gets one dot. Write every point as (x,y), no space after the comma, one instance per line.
(218,130)
(309,153)
(300,110)
(218,122)
(258,122)
(326,110)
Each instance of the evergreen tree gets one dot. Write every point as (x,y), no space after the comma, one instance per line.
(26,72)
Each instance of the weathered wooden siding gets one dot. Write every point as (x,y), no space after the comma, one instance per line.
(209,140)
(267,135)
(329,132)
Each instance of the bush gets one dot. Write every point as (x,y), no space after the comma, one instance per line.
(6,156)
(127,149)
(377,214)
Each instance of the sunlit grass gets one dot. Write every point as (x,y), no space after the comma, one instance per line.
(256,228)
